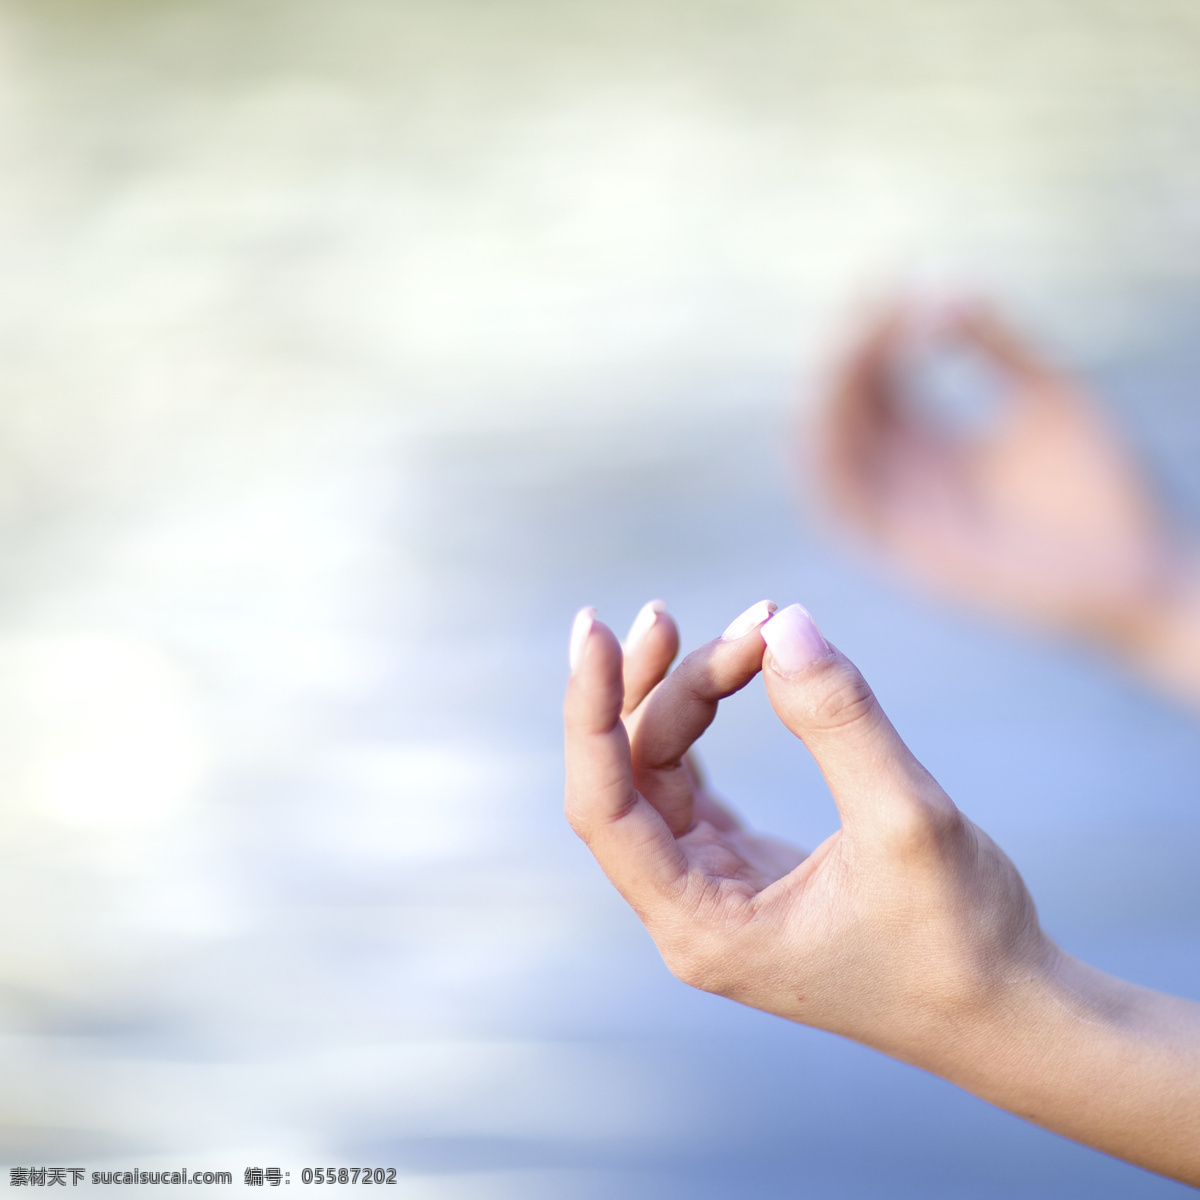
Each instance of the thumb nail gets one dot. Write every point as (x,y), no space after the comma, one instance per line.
(794,640)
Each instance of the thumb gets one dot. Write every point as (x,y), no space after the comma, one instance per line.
(819,694)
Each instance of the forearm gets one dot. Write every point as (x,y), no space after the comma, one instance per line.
(1097,1059)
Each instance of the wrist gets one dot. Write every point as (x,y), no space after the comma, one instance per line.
(993,1016)
(1094,1058)
(1042,999)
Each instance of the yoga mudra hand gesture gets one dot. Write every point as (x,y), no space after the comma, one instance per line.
(1044,517)
(908,929)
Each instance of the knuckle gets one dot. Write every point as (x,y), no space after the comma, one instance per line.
(581,823)
(588,811)
(924,824)
(841,698)
(575,819)
(698,955)
(699,966)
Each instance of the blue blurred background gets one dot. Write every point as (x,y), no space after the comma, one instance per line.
(349,346)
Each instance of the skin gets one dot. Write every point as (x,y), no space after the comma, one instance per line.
(908,929)
(1044,519)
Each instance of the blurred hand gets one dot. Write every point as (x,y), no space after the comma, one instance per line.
(904,923)
(1045,519)
(908,929)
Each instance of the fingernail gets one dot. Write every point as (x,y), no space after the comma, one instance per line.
(752,618)
(579,635)
(794,640)
(643,622)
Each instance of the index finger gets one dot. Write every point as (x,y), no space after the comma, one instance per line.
(981,328)
(683,706)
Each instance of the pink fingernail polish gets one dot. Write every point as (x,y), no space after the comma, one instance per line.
(643,622)
(752,618)
(794,640)
(579,635)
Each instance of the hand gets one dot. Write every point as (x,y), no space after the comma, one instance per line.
(1046,519)
(908,929)
(905,924)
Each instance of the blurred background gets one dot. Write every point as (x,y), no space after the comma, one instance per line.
(349,346)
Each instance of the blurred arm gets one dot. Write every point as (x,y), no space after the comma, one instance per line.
(1161,641)
(1045,519)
